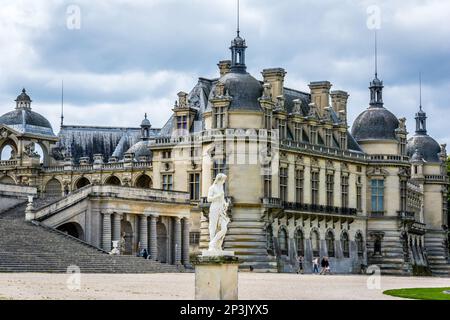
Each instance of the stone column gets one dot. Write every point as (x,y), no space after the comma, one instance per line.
(116,226)
(106,235)
(153,237)
(177,242)
(143,232)
(185,253)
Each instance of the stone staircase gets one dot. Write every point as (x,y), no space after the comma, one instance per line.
(31,247)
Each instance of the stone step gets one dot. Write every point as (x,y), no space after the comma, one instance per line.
(27,247)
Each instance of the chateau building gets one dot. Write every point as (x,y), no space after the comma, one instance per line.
(299,182)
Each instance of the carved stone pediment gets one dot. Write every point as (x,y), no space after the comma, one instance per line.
(314,162)
(377,171)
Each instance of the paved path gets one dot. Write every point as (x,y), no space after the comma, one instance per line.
(252,286)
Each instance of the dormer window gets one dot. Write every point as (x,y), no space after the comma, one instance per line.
(328,137)
(313,135)
(182,123)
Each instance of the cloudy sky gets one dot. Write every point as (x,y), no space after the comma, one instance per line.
(124,58)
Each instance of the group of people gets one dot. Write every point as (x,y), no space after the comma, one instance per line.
(324,264)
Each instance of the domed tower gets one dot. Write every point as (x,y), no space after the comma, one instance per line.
(233,100)
(141,149)
(375,129)
(234,113)
(26,132)
(428,168)
(382,136)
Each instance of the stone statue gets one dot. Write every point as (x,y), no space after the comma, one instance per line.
(122,243)
(115,250)
(218,219)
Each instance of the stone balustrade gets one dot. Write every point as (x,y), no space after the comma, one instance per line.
(406,215)
(129,193)
(100,167)
(294,206)
(8,163)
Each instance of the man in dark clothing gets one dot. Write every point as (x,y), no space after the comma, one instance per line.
(325,265)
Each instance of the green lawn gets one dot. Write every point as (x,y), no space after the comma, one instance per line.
(420,293)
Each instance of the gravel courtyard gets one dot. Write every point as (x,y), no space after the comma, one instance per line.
(252,286)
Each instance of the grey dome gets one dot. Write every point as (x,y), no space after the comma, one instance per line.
(145,123)
(375,123)
(27,121)
(244,89)
(140,149)
(426,146)
(23,96)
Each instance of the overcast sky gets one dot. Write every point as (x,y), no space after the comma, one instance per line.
(131,57)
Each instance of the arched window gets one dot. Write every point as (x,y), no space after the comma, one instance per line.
(144,182)
(7,153)
(300,243)
(283,241)
(359,244)
(53,189)
(330,243)
(269,239)
(315,243)
(112,181)
(82,182)
(39,151)
(345,245)
(7,180)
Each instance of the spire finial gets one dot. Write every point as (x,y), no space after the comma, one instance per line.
(62,103)
(376,55)
(420,91)
(238,5)
(145,115)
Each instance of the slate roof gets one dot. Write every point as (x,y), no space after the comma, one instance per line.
(86,141)
(27,121)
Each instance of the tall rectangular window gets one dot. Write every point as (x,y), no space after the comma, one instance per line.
(314,188)
(219,166)
(313,135)
(298,132)
(283,183)
(194,186)
(330,189)
(282,128)
(299,185)
(167,182)
(403,195)
(267,186)
(268,119)
(219,115)
(328,137)
(344,191)
(359,198)
(343,140)
(402,146)
(377,195)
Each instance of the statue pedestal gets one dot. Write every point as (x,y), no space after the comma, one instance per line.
(216,277)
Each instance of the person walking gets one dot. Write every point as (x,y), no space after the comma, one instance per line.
(300,265)
(322,265)
(325,264)
(315,265)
